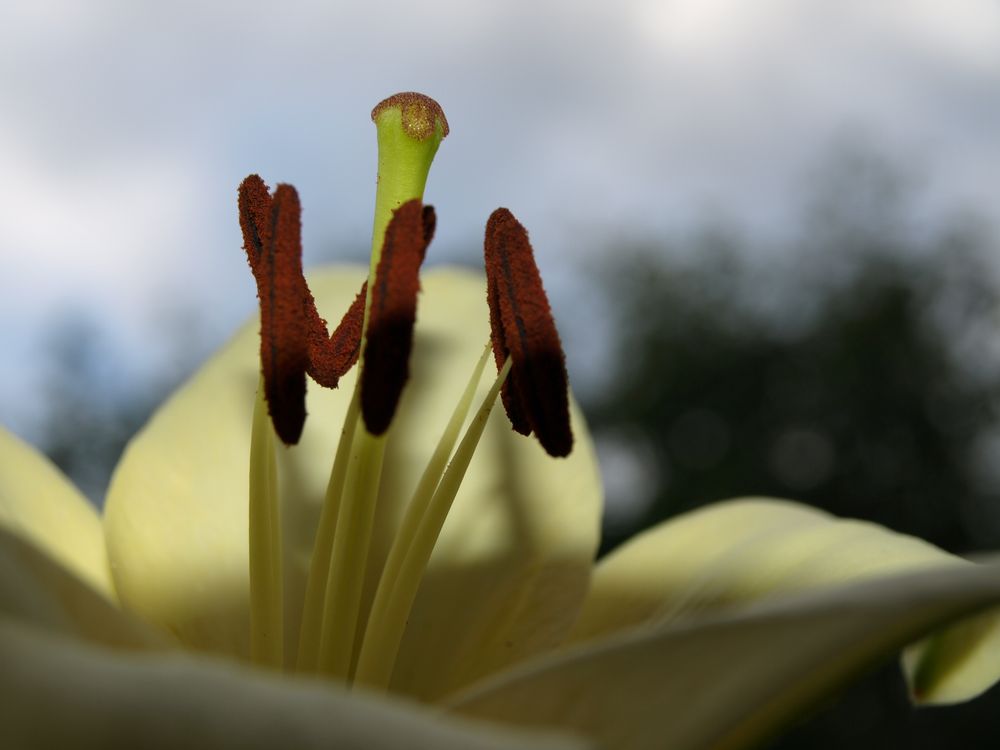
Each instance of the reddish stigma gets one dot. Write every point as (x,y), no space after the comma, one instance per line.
(293,337)
(393,313)
(536,393)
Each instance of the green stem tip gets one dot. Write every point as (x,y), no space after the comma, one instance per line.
(410,127)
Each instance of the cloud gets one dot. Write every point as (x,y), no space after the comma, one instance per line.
(127,126)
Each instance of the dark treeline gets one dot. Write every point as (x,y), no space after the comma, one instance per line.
(851,370)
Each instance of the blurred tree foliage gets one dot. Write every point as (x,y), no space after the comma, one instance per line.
(94,408)
(854,370)
(863,408)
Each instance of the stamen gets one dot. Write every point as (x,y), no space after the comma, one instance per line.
(392,314)
(418,533)
(331,358)
(285,354)
(319,565)
(536,395)
(255,212)
(345,580)
(271,233)
(294,340)
(266,603)
(509,395)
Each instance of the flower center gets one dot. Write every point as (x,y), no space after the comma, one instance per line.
(377,334)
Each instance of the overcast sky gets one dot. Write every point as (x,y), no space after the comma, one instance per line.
(125,128)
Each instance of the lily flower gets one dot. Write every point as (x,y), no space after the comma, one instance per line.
(396,563)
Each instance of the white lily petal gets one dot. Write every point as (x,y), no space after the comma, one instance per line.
(113,699)
(38,592)
(40,504)
(740,551)
(176,516)
(730,680)
(956,664)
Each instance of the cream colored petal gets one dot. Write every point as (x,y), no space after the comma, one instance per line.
(734,552)
(40,504)
(956,664)
(740,551)
(519,545)
(176,516)
(61,694)
(730,680)
(513,562)
(38,592)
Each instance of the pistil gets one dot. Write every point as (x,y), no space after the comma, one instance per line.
(410,128)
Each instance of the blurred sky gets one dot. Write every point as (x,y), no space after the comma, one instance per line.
(125,128)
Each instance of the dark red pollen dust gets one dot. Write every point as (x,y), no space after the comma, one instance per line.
(294,340)
(293,337)
(536,393)
(393,313)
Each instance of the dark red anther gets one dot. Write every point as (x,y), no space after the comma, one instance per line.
(393,313)
(430,224)
(275,253)
(536,393)
(331,357)
(255,219)
(293,336)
